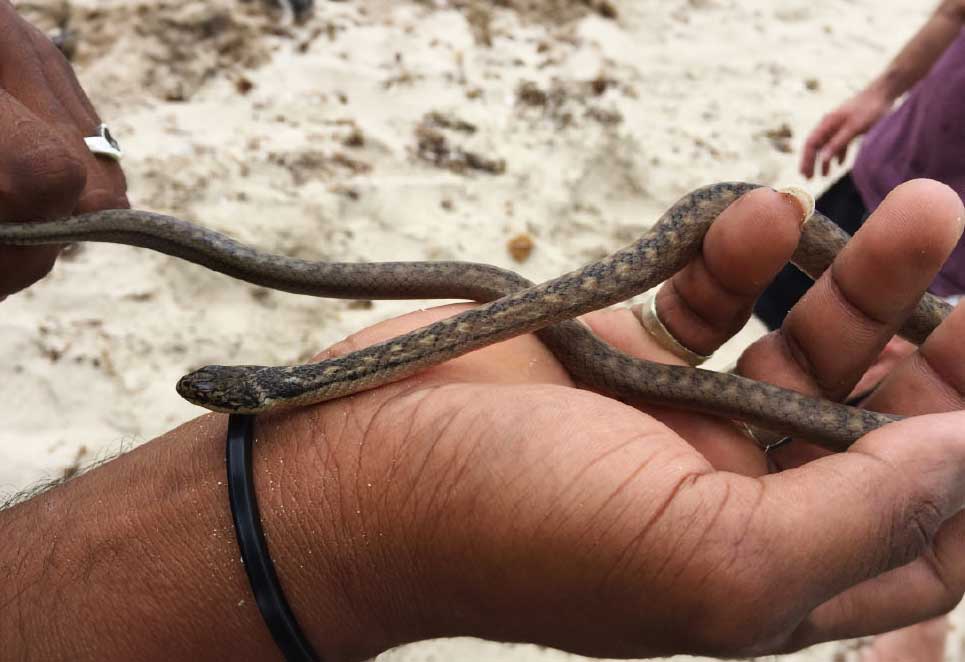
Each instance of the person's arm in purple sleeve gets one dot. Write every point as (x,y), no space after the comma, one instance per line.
(861,112)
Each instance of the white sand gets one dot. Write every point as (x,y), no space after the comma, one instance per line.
(686,94)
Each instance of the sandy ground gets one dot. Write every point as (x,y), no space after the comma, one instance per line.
(386,129)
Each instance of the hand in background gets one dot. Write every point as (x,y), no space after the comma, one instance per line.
(46,169)
(838,128)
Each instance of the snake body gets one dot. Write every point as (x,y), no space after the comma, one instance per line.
(511,306)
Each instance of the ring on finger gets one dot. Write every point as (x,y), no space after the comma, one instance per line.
(647,314)
(104,144)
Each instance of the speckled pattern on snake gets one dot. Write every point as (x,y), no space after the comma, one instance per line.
(515,306)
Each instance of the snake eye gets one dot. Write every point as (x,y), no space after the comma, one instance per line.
(196,382)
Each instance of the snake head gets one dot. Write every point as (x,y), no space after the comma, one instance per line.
(230,389)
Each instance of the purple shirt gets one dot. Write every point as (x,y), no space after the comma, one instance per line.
(924,137)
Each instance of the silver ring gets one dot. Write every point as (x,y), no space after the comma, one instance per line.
(647,315)
(103,144)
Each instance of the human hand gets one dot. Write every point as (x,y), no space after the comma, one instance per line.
(839,127)
(489,497)
(46,169)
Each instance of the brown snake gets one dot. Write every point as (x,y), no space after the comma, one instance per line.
(515,307)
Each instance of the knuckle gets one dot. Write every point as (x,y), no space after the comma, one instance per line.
(947,601)
(913,530)
(42,45)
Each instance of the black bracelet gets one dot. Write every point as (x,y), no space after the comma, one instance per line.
(254,552)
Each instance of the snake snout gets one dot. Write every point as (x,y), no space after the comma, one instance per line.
(223,388)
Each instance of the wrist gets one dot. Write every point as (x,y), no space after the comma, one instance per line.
(332,548)
(128,559)
(140,556)
(886,89)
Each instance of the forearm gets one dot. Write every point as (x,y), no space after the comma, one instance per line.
(917,57)
(138,559)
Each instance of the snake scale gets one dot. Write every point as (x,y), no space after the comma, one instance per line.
(511,306)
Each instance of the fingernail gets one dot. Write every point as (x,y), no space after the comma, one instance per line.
(803,198)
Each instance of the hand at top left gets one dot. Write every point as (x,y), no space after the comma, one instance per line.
(46,169)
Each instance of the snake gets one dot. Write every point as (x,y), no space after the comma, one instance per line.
(510,306)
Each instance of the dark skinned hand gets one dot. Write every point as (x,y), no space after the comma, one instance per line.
(46,170)
(494,499)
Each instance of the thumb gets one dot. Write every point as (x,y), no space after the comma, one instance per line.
(849,517)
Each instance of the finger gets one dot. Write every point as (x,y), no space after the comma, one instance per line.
(106,185)
(40,178)
(39,77)
(711,298)
(806,167)
(813,533)
(931,380)
(922,641)
(825,158)
(890,505)
(706,303)
(927,587)
(896,351)
(842,154)
(816,141)
(837,146)
(838,328)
